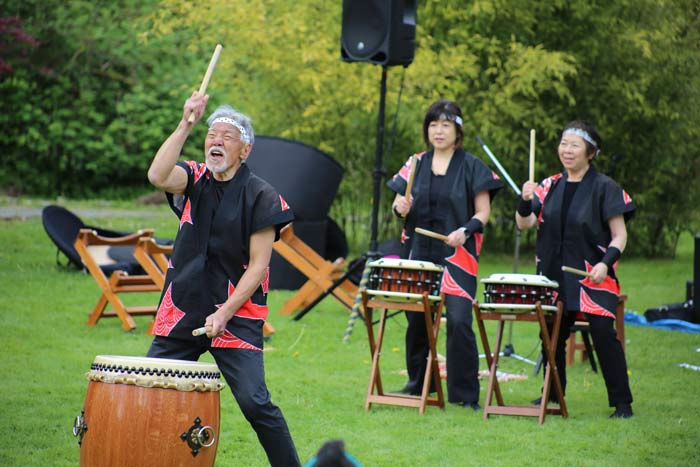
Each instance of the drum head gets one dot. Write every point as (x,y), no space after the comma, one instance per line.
(520,279)
(182,375)
(405,264)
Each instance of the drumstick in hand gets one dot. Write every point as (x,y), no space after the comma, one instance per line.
(532,155)
(411,175)
(576,271)
(207,75)
(430,233)
(199,331)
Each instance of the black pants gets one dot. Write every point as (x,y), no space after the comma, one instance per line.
(244,373)
(608,349)
(462,353)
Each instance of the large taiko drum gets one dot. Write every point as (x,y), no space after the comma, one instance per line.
(404,280)
(149,412)
(519,292)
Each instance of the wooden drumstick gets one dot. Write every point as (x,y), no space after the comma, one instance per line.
(430,233)
(576,271)
(411,175)
(199,331)
(532,155)
(207,75)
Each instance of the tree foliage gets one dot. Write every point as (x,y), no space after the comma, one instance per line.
(87,92)
(628,66)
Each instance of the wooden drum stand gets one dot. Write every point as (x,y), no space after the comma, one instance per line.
(533,313)
(431,307)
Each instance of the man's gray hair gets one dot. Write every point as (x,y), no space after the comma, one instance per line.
(235,118)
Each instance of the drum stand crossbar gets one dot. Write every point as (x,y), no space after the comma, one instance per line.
(432,310)
(551,373)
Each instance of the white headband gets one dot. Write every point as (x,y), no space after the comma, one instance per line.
(583,134)
(453,118)
(244,134)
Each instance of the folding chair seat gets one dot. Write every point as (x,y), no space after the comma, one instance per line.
(585,347)
(321,273)
(92,249)
(62,226)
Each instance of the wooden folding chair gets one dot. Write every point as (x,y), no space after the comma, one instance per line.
(92,248)
(153,258)
(321,274)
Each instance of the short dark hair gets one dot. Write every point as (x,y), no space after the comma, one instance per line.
(439,110)
(590,129)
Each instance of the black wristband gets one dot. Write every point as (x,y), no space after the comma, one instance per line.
(396,213)
(525,207)
(473,225)
(611,256)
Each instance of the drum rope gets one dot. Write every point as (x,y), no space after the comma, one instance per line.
(356,304)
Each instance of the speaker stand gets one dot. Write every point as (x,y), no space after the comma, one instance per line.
(379,172)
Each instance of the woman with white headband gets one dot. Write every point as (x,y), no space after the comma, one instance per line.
(580,214)
(451,195)
(218,275)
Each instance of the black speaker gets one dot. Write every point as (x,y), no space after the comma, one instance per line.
(382,32)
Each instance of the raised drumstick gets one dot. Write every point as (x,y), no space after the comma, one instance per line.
(532,155)
(576,271)
(411,175)
(207,75)
(430,233)
(199,331)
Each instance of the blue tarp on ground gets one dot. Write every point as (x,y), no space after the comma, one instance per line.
(669,324)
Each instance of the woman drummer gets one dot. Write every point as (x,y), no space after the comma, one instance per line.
(451,194)
(580,214)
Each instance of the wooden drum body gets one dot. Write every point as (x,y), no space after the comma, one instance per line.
(404,280)
(519,292)
(149,411)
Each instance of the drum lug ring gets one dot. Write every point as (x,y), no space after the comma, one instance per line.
(199,436)
(80,427)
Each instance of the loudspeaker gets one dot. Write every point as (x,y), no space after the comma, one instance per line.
(382,32)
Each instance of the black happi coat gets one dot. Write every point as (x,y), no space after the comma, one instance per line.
(586,238)
(211,254)
(466,177)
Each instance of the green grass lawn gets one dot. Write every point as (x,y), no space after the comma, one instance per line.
(320,382)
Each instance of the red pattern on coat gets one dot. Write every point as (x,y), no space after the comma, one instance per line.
(450,286)
(198,169)
(266,281)
(464,260)
(249,309)
(478,241)
(186,214)
(405,170)
(283,203)
(168,315)
(542,190)
(626,198)
(608,284)
(229,341)
(587,305)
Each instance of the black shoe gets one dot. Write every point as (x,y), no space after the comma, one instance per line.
(473,405)
(622,410)
(408,390)
(538,401)
(470,405)
(412,390)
